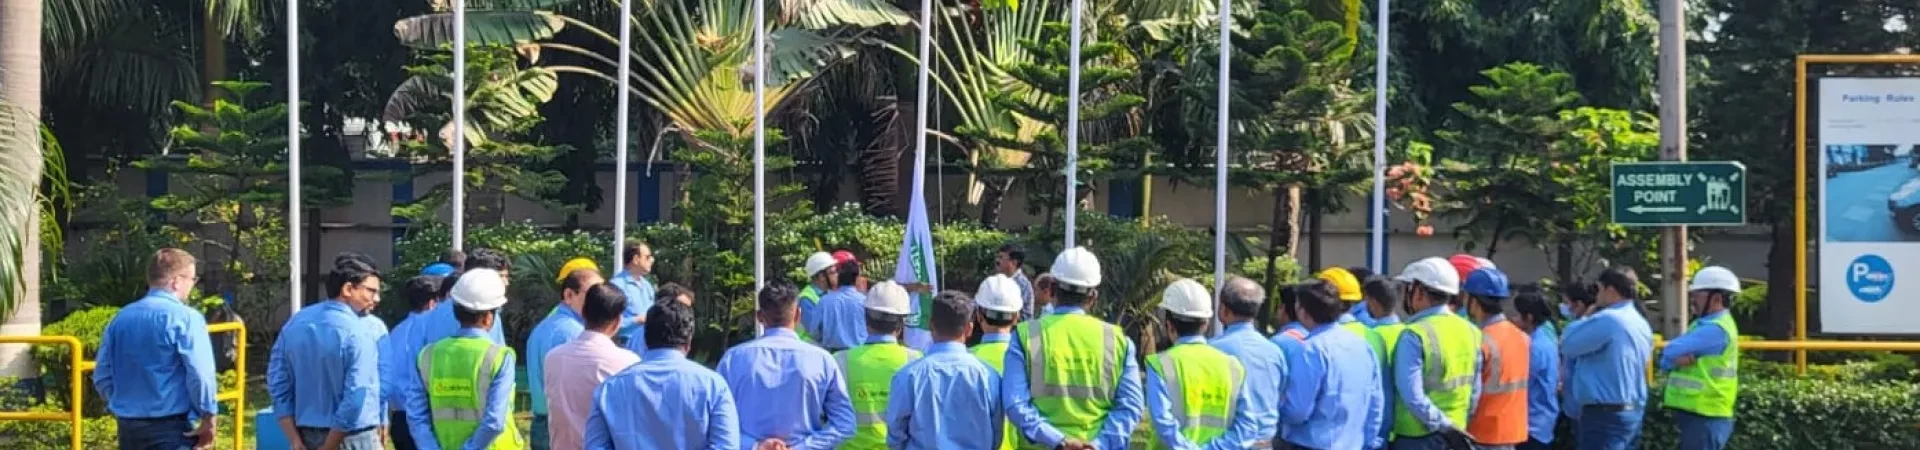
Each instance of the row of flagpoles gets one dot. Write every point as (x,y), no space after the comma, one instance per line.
(916,263)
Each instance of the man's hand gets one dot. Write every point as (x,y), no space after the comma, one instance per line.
(1684,361)
(1075,444)
(203,435)
(771,444)
(917,287)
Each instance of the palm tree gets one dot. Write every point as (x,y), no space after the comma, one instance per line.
(20,175)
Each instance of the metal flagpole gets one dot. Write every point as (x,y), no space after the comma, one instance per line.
(620,137)
(293,156)
(759,151)
(920,97)
(459,178)
(1073,123)
(1220,153)
(1377,260)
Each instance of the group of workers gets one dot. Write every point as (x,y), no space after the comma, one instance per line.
(1445,355)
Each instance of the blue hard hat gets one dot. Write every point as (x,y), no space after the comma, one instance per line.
(437,270)
(1486,282)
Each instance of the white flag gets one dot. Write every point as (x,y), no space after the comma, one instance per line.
(916,259)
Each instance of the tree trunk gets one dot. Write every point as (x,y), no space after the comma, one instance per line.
(1782,285)
(992,197)
(1315,213)
(213,65)
(20,23)
(1288,210)
(1563,259)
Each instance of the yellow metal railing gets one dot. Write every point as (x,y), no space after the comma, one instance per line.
(72,414)
(80,366)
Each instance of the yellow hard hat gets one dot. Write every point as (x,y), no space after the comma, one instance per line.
(1343,282)
(572,265)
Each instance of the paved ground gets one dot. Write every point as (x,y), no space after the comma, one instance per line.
(1857,204)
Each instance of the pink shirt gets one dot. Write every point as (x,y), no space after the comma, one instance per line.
(573,371)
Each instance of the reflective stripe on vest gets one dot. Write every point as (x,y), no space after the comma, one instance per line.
(869,370)
(1711,385)
(458,373)
(1071,384)
(1202,384)
(1501,417)
(995,355)
(1449,345)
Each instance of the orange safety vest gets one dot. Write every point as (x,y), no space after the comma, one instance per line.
(1501,418)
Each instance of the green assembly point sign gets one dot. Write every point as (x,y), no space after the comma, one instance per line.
(1712,193)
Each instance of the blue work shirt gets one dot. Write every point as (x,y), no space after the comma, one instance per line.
(1701,339)
(399,356)
(325,370)
(665,402)
(1330,395)
(843,319)
(1543,378)
(1129,399)
(1359,312)
(1266,372)
(556,329)
(947,399)
(1611,347)
(810,311)
(639,292)
(1026,292)
(1167,426)
(784,387)
(377,328)
(441,324)
(1290,343)
(493,421)
(1409,377)
(156,360)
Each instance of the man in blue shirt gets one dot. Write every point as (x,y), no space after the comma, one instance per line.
(1384,303)
(1240,302)
(1008,261)
(636,262)
(1331,396)
(324,374)
(1543,371)
(670,292)
(948,398)
(440,322)
(1076,274)
(1431,284)
(665,402)
(1705,418)
(397,351)
(477,298)
(784,387)
(843,312)
(155,363)
(558,328)
(1611,346)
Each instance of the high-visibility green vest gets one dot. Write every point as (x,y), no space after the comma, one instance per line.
(1073,368)
(1711,385)
(995,355)
(811,295)
(1373,338)
(869,370)
(458,372)
(1449,345)
(1203,383)
(1389,334)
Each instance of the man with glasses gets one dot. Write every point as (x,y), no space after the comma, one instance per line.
(324,374)
(636,261)
(155,363)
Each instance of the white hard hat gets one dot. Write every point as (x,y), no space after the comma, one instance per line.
(1434,273)
(999,294)
(1485,263)
(888,297)
(1187,298)
(480,290)
(819,261)
(1077,269)
(1715,278)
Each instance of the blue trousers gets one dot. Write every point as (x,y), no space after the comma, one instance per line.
(368,439)
(156,434)
(541,440)
(1428,442)
(1601,428)
(1699,432)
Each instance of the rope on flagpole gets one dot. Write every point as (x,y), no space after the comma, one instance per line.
(620,136)
(293,156)
(459,178)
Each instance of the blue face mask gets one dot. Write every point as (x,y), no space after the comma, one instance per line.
(1566,311)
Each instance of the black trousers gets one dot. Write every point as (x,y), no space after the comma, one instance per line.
(398,433)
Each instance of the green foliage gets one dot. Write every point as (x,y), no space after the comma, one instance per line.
(1806,413)
(532,289)
(56,360)
(503,99)
(97,428)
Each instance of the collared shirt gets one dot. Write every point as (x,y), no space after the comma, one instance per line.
(810,311)
(1266,372)
(1167,427)
(1702,339)
(325,370)
(1026,292)
(843,319)
(639,292)
(1129,400)
(573,372)
(377,328)
(783,387)
(1377,408)
(1409,375)
(555,330)
(1543,378)
(1331,397)
(1611,348)
(399,356)
(156,360)
(665,402)
(1359,312)
(441,325)
(493,421)
(947,399)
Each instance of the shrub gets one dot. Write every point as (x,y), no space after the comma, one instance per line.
(1807,413)
(56,360)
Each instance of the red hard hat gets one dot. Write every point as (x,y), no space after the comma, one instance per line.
(843,256)
(1464,263)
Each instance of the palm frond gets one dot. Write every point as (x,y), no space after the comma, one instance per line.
(21,161)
